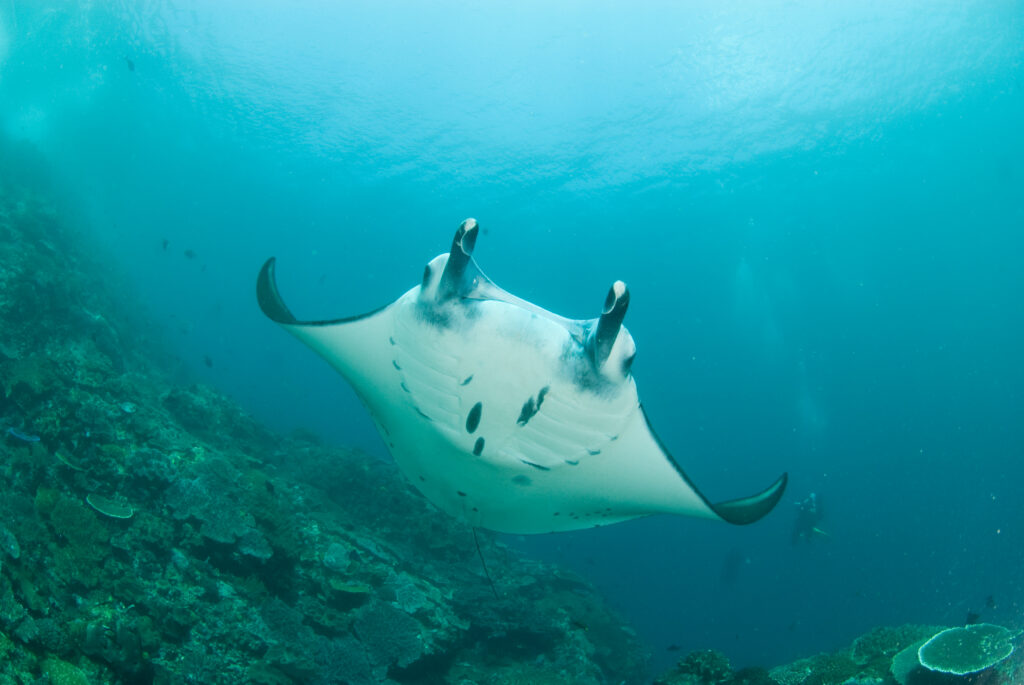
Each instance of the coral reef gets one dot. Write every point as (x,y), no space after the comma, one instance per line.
(883,643)
(704,667)
(154,533)
(883,656)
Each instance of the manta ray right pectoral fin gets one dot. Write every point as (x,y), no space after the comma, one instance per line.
(356,346)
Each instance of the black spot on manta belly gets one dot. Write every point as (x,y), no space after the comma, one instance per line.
(531,407)
(473,419)
(460,493)
(391,340)
(478,447)
(572,462)
(522,480)
(468,379)
(527,412)
(536,466)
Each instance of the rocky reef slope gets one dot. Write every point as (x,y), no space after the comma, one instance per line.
(153,533)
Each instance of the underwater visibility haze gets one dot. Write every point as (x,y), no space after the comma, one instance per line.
(817,208)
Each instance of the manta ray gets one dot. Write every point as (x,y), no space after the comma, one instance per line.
(502,413)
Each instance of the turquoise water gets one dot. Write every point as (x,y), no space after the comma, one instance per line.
(818,210)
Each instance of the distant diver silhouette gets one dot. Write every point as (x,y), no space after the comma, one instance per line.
(731,567)
(809,513)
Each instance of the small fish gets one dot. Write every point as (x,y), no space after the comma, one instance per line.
(190,254)
(972,618)
(673,648)
(990,602)
(207,361)
(579,625)
(24,437)
(131,64)
(166,243)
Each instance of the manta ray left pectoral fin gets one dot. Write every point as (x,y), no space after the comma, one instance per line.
(750,509)
(269,298)
(741,511)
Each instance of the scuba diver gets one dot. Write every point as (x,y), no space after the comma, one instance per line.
(809,513)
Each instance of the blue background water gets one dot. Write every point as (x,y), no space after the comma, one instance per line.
(818,208)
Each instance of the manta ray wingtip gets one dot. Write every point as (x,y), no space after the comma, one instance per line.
(746,510)
(269,298)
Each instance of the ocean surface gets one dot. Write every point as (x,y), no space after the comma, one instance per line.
(818,207)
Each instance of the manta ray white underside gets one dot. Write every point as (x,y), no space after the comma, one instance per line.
(504,414)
